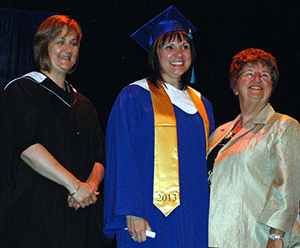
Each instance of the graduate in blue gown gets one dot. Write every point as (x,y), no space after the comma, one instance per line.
(157,136)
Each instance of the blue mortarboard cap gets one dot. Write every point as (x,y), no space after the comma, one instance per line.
(169,20)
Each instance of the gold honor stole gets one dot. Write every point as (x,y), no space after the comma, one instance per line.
(166,196)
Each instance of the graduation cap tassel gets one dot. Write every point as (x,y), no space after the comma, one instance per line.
(193,77)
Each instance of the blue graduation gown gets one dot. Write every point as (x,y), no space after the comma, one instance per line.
(130,167)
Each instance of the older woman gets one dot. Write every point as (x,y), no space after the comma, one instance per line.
(52,149)
(156,175)
(254,161)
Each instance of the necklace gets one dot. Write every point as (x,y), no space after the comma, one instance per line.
(237,127)
(230,135)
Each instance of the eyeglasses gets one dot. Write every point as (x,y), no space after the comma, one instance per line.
(265,76)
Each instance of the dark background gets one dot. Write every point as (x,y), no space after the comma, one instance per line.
(110,59)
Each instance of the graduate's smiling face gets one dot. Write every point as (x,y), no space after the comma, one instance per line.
(175,58)
(63,52)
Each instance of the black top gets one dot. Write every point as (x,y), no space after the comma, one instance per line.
(214,153)
(34,210)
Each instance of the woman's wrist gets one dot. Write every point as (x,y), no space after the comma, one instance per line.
(276,234)
(94,188)
(72,193)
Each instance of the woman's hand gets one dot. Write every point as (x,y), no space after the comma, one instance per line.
(275,243)
(84,196)
(72,203)
(137,228)
(42,161)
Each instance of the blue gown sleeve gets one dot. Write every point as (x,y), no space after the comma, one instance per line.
(123,192)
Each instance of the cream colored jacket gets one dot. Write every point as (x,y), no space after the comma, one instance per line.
(256,182)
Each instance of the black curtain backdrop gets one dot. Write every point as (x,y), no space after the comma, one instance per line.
(109,59)
(17,29)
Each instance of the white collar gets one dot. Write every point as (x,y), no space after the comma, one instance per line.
(180,98)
